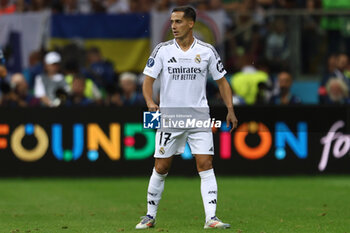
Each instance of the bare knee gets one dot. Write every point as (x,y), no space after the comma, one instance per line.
(162,166)
(161,169)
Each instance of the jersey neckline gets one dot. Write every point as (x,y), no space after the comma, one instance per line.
(193,44)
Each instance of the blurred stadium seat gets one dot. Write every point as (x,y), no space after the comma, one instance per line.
(306,91)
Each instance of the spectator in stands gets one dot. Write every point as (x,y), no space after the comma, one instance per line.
(128,84)
(7,7)
(47,84)
(35,67)
(231,5)
(246,83)
(97,6)
(38,5)
(114,97)
(266,89)
(248,39)
(264,94)
(331,64)
(140,6)
(73,6)
(341,63)
(277,45)
(98,69)
(287,4)
(91,91)
(215,5)
(310,38)
(77,96)
(117,6)
(337,92)
(202,5)
(18,94)
(135,6)
(181,2)
(285,97)
(21,6)
(331,67)
(56,7)
(70,6)
(162,5)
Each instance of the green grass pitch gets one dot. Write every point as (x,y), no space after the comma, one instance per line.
(250,204)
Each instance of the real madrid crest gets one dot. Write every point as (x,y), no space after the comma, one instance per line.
(198,59)
(161,151)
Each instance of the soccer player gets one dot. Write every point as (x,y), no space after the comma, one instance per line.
(182,65)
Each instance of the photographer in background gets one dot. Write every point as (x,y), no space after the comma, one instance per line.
(50,87)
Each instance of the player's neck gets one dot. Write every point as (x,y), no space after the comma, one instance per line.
(185,42)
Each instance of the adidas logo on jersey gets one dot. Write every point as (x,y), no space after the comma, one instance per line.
(172,60)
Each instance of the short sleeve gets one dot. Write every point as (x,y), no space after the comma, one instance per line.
(154,64)
(216,68)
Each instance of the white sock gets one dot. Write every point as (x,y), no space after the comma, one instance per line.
(154,192)
(209,190)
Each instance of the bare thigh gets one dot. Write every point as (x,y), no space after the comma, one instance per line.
(204,162)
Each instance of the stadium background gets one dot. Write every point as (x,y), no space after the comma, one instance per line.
(103,137)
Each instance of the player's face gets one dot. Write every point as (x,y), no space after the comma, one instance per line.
(179,25)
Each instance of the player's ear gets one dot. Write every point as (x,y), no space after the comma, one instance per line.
(191,23)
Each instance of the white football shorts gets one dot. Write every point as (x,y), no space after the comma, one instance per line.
(173,143)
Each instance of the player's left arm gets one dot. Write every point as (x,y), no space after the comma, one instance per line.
(226,94)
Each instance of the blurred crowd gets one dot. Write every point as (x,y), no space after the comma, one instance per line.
(58,79)
(53,80)
(255,84)
(258,55)
(142,6)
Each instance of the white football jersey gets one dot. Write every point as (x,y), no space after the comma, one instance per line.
(183,74)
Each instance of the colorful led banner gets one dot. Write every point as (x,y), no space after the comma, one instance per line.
(112,141)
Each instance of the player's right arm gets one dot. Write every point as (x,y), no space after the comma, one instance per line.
(147,90)
(152,70)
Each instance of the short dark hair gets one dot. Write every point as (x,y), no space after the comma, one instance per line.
(188,11)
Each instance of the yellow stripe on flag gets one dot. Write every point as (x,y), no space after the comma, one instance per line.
(127,55)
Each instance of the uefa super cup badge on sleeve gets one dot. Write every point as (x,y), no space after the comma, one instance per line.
(151,120)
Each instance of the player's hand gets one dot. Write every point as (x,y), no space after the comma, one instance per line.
(231,119)
(152,107)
